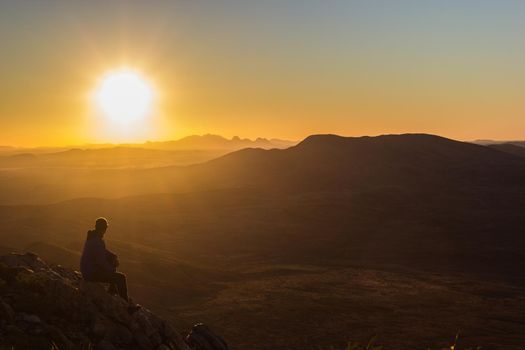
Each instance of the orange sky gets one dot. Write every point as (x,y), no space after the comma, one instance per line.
(282,69)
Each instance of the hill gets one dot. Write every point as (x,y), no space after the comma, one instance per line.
(330,162)
(106,158)
(510,148)
(319,163)
(188,150)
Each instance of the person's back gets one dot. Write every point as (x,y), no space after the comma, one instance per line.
(93,257)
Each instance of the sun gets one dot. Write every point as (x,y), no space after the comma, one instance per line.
(124,96)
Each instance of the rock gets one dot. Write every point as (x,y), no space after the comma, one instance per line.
(9,274)
(6,312)
(27,260)
(11,329)
(104,345)
(53,304)
(101,328)
(67,273)
(29,318)
(106,303)
(4,272)
(145,325)
(56,335)
(115,333)
(121,336)
(142,341)
(173,338)
(163,347)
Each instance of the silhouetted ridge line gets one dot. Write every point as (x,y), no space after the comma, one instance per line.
(408,149)
(509,148)
(318,163)
(332,162)
(336,140)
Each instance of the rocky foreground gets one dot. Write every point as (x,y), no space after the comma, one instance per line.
(51,307)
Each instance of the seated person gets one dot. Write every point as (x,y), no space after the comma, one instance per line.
(98,264)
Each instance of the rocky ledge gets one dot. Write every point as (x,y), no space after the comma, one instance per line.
(51,307)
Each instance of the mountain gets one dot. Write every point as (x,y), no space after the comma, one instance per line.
(189,150)
(418,186)
(486,142)
(515,149)
(202,142)
(330,162)
(51,307)
(210,141)
(499,142)
(318,163)
(518,143)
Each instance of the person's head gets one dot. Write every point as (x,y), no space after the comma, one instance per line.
(101,225)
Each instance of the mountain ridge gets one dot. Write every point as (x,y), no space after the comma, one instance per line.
(320,162)
(349,161)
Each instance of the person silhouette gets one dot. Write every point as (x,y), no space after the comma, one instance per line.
(98,264)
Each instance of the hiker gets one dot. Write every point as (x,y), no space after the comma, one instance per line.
(98,264)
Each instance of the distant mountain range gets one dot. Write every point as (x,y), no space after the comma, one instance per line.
(320,162)
(202,142)
(210,141)
(331,162)
(193,142)
(188,150)
(498,142)
(517,149)
(513,147)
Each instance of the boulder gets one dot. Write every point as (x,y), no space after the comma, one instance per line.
(6,313)
(53,304)
(27,260)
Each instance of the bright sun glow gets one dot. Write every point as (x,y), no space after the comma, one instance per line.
(124,96)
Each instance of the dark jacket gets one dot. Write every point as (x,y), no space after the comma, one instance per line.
(95,257)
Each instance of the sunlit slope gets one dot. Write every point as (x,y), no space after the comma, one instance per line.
(188,150)
(107,158)
(319,163)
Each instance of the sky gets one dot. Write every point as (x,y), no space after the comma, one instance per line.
(284,69)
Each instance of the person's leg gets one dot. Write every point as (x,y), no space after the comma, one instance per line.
(117,281)
(120,281)
(113,287)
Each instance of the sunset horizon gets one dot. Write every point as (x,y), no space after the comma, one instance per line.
(262,175)
(109,142)
(393,68)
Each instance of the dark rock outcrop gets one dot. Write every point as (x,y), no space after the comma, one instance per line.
(51,307)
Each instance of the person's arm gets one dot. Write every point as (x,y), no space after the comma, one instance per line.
(110,253)
(101,259)
(112,258)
